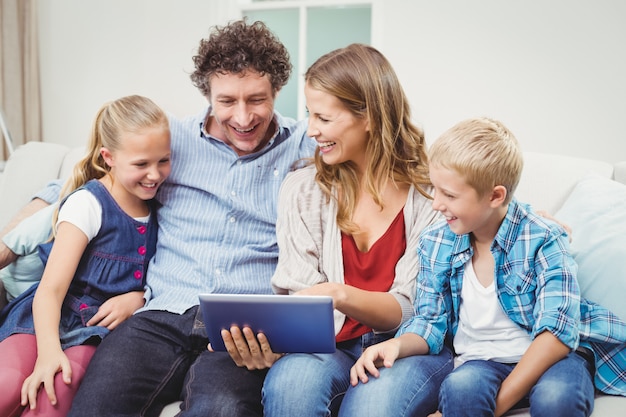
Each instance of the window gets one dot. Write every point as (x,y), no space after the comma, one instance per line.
(310,29)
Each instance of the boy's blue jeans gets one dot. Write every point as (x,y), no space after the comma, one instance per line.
(157,357)
(565,389)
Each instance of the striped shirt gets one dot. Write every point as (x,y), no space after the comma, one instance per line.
(536,286)
(218,215)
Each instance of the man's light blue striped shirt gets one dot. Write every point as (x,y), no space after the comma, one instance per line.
(218,215)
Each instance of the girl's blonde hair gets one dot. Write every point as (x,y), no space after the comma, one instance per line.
(364,81)
(484,152)
(129,114)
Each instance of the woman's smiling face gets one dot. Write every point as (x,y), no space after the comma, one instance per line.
(341,135)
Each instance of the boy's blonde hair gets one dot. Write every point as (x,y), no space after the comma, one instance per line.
(483,151)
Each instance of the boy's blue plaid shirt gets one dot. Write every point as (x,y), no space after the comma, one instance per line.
(536,285)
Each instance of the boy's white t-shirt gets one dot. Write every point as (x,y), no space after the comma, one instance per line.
(485,332)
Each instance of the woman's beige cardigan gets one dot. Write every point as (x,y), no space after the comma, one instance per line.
(309,240)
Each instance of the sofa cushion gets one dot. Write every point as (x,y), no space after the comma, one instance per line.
(596,212)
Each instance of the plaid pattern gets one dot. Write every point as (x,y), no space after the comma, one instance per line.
(536,285)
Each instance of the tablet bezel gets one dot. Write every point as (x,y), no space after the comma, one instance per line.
(292,323)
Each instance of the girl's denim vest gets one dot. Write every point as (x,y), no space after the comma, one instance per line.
(114,262)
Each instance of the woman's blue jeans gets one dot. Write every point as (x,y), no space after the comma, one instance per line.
(305,384)
(409,388)
(317,384)
(565,389)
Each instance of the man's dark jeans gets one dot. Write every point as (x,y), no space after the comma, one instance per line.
(155,358)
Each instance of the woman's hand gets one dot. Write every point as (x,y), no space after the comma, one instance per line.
(47,366)
(117,309)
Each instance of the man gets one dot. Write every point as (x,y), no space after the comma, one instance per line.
(216,234)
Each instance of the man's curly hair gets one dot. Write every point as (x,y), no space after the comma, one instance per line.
(238,47)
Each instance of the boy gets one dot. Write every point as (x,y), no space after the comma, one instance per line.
(497,282)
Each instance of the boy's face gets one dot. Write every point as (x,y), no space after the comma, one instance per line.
(464,209)
(243,110)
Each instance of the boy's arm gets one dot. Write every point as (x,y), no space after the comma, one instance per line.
(556,320)
(542,353)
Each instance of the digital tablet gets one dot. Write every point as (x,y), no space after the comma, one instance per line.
(292,323)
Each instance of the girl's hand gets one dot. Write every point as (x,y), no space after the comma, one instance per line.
(47,366)
(435,414)
(374,357)
(117,309)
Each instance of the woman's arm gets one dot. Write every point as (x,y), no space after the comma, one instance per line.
(378,310)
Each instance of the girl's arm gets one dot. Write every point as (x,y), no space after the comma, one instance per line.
(542,353)
(69,245)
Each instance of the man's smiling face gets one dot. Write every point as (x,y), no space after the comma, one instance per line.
(243,110)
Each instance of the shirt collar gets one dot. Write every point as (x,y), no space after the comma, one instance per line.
(276,122)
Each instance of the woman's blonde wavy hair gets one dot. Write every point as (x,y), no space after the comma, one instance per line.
(365,82)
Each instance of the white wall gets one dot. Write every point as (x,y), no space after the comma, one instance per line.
(93,51)
(553,71)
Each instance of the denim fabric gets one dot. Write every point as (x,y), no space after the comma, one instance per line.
(408,388)
(317,382)
(564,390)
(108,267)
(142,366)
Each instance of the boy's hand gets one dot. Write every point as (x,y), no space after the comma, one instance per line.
(117,309)
(374,357)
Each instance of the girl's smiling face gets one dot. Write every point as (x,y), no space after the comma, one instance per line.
(341,135)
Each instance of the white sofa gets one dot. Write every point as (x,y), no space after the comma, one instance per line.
(547,183)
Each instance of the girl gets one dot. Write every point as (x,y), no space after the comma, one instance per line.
(348,225)
(105,234)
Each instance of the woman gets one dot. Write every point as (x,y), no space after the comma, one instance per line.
(348,224)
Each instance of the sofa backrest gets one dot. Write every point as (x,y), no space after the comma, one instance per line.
(547,179)
(29,169)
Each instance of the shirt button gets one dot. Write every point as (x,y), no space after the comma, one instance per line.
(218,271)
(232,219)
(138,274)
(141,230)
(141,250)
(233,193)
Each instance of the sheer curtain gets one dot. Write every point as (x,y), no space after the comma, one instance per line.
(19,71)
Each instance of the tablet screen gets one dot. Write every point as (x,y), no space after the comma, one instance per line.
(291,323)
